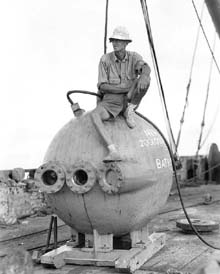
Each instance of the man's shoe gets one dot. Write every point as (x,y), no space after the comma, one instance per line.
(129,116)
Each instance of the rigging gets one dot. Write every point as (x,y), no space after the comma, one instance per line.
(206,38)
(172,146)
(157,73)
(190,80)
(206,101)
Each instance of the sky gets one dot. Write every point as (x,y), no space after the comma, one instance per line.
(49,47)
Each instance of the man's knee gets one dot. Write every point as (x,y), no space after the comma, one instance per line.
(100,112)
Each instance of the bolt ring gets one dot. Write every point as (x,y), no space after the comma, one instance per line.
(81,177)
(104,182)
(50,177)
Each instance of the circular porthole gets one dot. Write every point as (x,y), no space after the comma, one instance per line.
(50,177)
(81,177)
(110,178)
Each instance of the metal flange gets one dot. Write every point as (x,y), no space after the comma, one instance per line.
(81,177)
(50,177)
(110,178)
(199,224)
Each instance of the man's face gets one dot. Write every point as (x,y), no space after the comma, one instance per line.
(119,44)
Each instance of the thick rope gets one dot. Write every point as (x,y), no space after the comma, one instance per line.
(190,79)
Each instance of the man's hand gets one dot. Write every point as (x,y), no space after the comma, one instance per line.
(143,83)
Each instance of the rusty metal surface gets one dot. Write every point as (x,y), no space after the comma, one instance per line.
(142,180)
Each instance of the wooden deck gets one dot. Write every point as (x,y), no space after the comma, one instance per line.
(183,252)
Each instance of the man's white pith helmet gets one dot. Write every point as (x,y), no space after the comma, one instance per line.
(120,33)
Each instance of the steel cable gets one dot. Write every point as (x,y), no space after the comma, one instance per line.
(172,146)
(190,79)
(157,73)
(206,38)
(206,100)
(178,185)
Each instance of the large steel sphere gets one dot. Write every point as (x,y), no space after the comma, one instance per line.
(115,197)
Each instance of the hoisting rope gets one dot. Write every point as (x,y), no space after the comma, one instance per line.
(157,73)
(172,147)
(190,79)
(211,126)
(206,38)
(206,100)
(106,27)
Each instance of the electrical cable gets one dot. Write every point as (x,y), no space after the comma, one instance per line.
(172,146)
(82,92)
(177,183)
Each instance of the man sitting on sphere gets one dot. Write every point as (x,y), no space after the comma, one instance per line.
(124,78)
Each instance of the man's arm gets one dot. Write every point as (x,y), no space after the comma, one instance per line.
(144,80)
(115,89)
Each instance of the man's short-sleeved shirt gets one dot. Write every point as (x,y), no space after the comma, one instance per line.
(114,71)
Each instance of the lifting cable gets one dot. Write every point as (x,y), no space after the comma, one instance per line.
(212,124)
(106,27)
(206,38)
(172,146)
(190,79)
(157,73)
(206,101)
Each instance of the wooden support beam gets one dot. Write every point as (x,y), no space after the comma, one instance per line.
(136,257)
(102,255)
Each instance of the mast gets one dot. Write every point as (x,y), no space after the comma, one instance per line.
(214,10)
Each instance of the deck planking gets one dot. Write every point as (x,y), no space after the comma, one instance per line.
(183,252)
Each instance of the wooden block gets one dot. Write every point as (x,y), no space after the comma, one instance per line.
(68,255)
(102,243)
(139,237)
(136,257)
(123,261)
(56,256)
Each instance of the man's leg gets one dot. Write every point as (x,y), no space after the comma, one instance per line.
(134,98)
(128,114)
(99,115)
